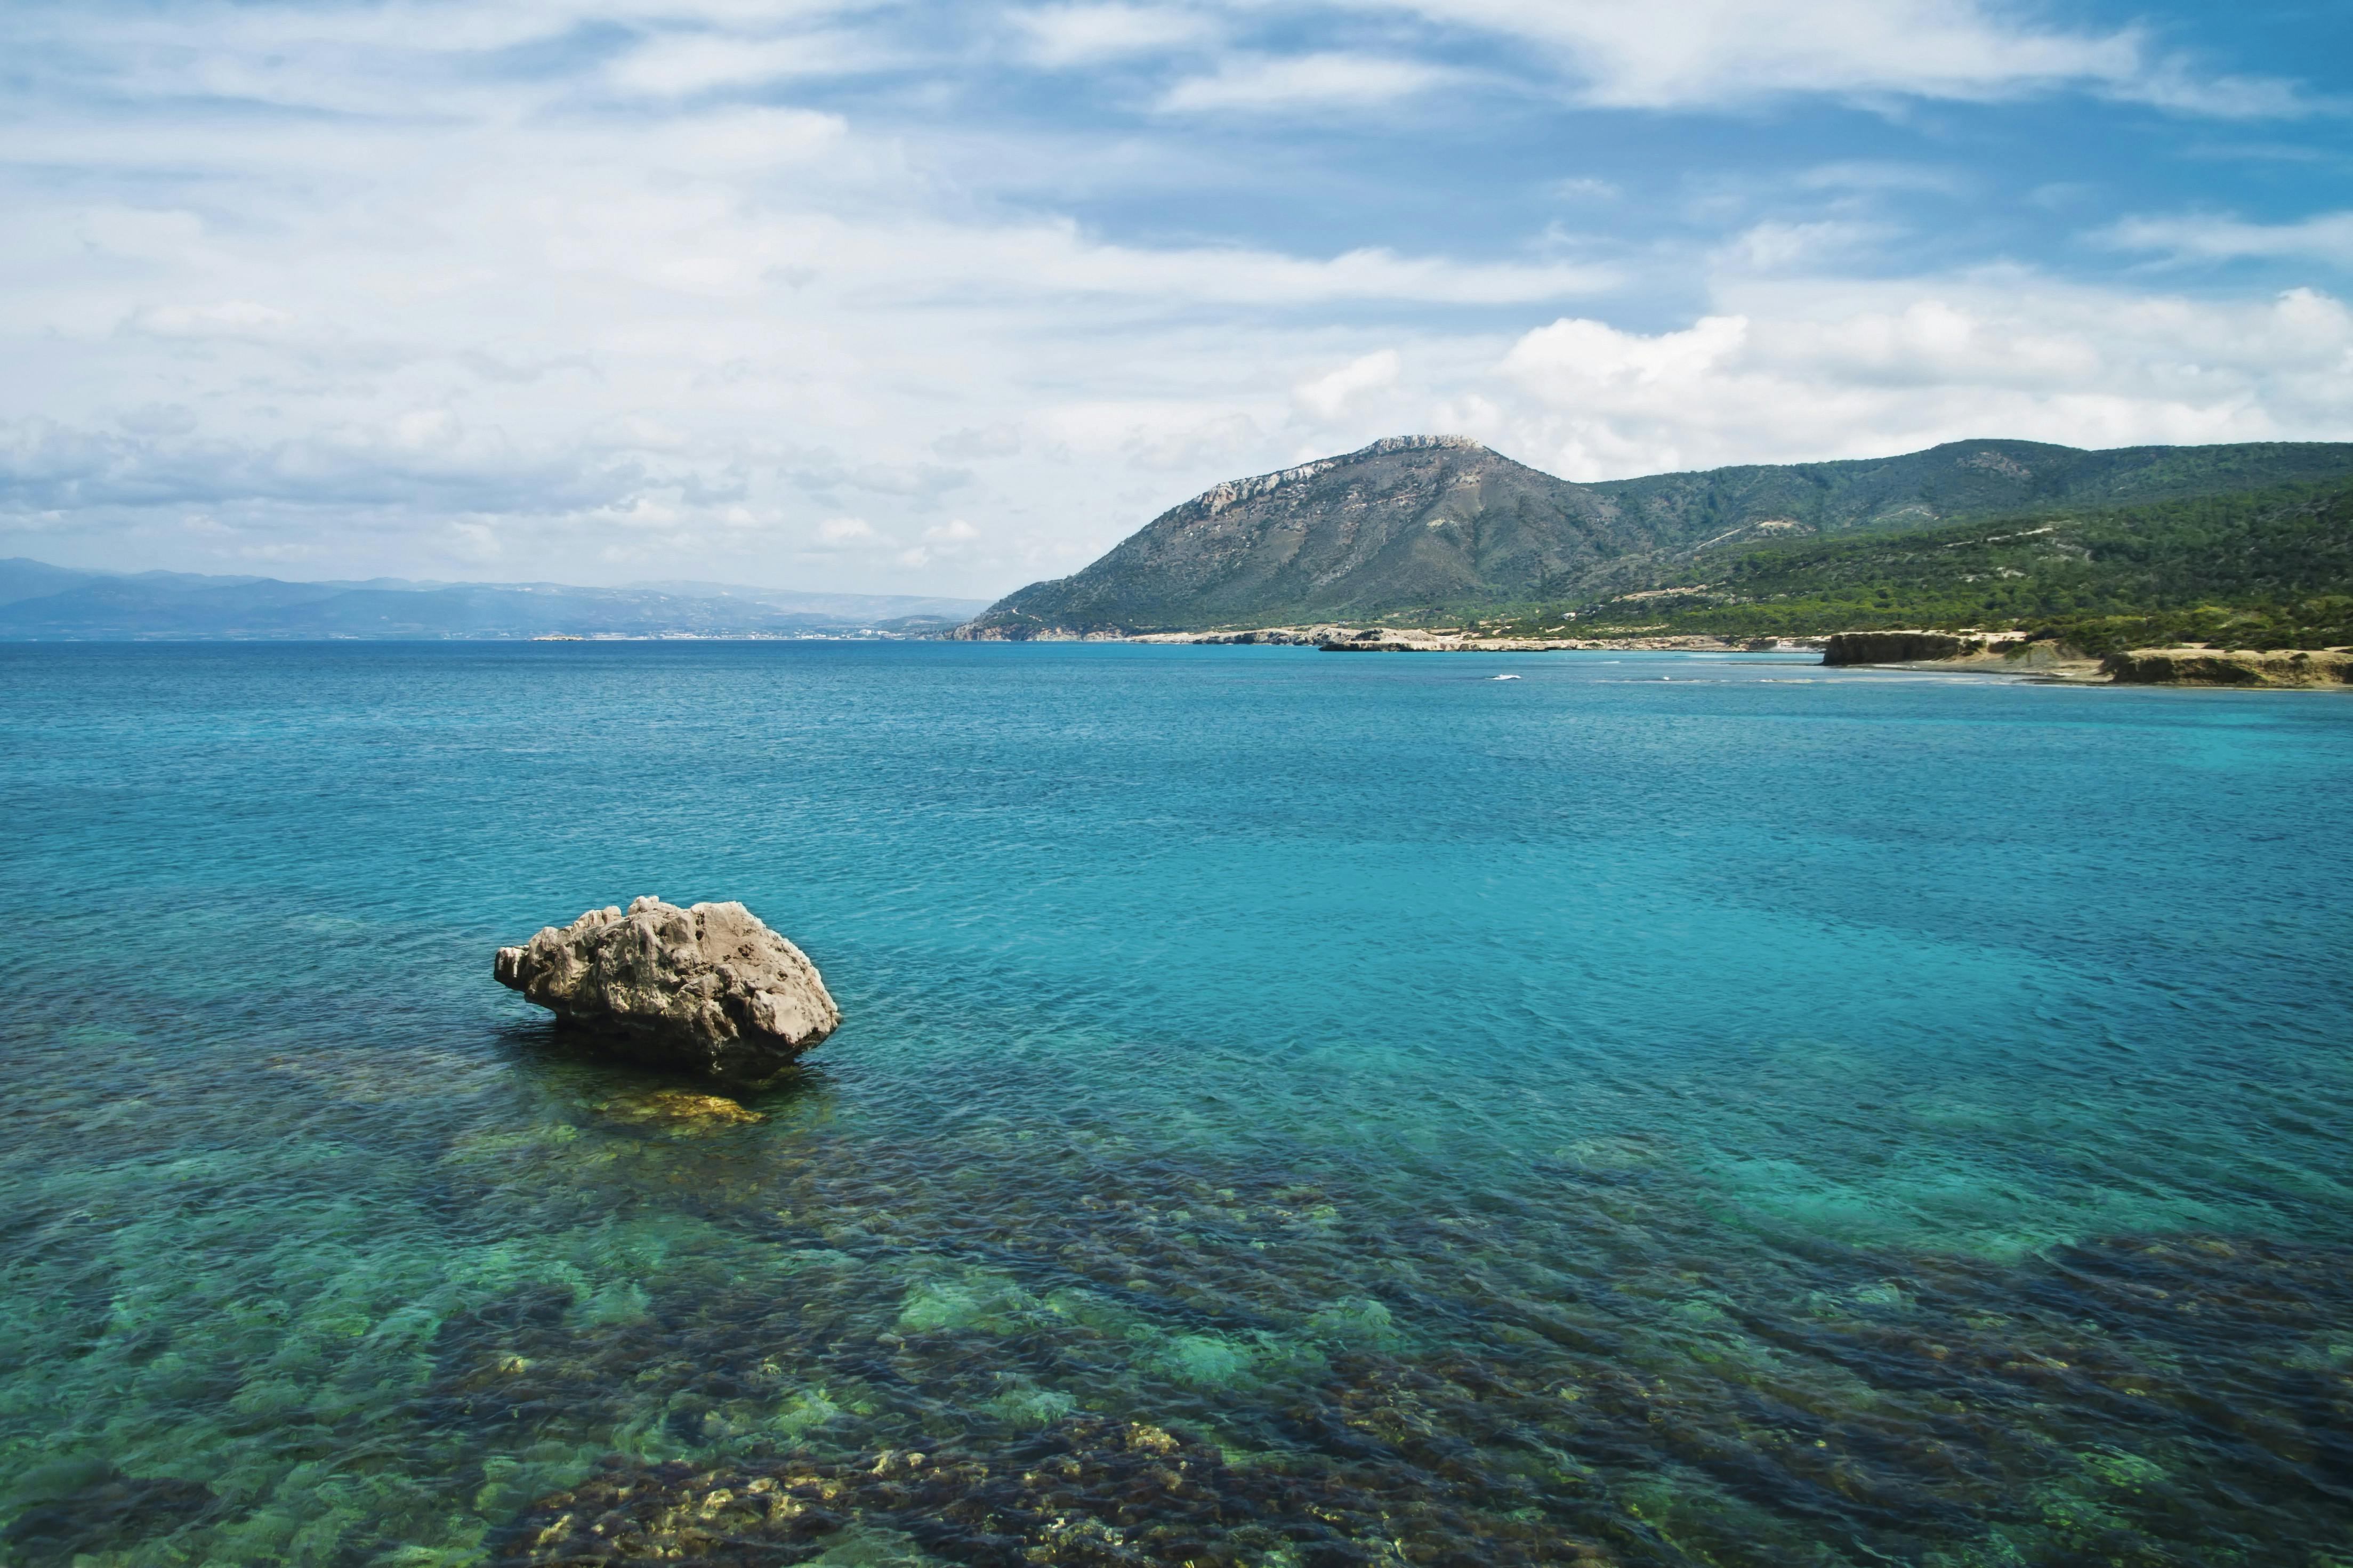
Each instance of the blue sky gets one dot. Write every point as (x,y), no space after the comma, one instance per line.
(945,298)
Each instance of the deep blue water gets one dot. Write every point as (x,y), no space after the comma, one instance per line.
(1292,1110)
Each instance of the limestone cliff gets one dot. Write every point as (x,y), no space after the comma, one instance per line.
(2229,667)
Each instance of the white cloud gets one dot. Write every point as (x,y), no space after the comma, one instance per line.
(1060,258)
(591,340)
(2328,236)
(682,64)
(228,318)
(1836,370)
(1197,439)
(1776,245)
(745,140)
(999,438)
(585,313)
(1328,397)
(476,542)
(2177,85)
(1305,82)
(1659,54)
(923,480)
(143,233)
(427,429)
(420,464)
(286,553)
(1867,175)
(942,543)
(1059,35)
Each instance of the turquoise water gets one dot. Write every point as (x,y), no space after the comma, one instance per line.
(1292,1110)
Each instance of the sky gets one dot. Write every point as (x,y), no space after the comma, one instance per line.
(945,298)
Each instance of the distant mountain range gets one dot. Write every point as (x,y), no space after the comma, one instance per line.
(1440,527)
(39,601)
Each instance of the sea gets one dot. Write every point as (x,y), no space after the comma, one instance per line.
(1292,1110)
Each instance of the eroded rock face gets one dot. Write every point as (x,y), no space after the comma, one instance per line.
(2218,666)
(707,990)
(1898,647)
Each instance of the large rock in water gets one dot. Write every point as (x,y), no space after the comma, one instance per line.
(709,990)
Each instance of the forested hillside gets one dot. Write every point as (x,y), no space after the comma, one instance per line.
(2271,569)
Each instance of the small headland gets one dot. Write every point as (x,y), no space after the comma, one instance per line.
(1996,653)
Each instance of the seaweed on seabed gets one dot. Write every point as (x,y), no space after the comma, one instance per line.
(79,1508)
(1085,1492)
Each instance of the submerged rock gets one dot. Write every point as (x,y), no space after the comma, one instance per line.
(676,1110)
(1084,1491)
(708,990)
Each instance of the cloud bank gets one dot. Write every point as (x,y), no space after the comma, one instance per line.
(889,298)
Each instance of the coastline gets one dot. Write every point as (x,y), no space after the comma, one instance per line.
(2051,663)
(2007,654)
(1335,638)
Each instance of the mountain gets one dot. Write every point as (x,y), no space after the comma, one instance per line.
(1440,526)
(40,601)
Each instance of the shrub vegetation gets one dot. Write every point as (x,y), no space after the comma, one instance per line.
(2273,569)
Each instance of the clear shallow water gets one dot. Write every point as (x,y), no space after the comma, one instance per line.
(1292,1110)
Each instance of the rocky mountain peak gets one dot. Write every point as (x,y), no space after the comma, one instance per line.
(1217,498)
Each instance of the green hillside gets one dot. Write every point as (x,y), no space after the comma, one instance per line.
(2269,569)
(1970,478)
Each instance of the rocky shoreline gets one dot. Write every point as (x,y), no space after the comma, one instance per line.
(2007,653)
(1409,639)
(2230,667)
(2040,659)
